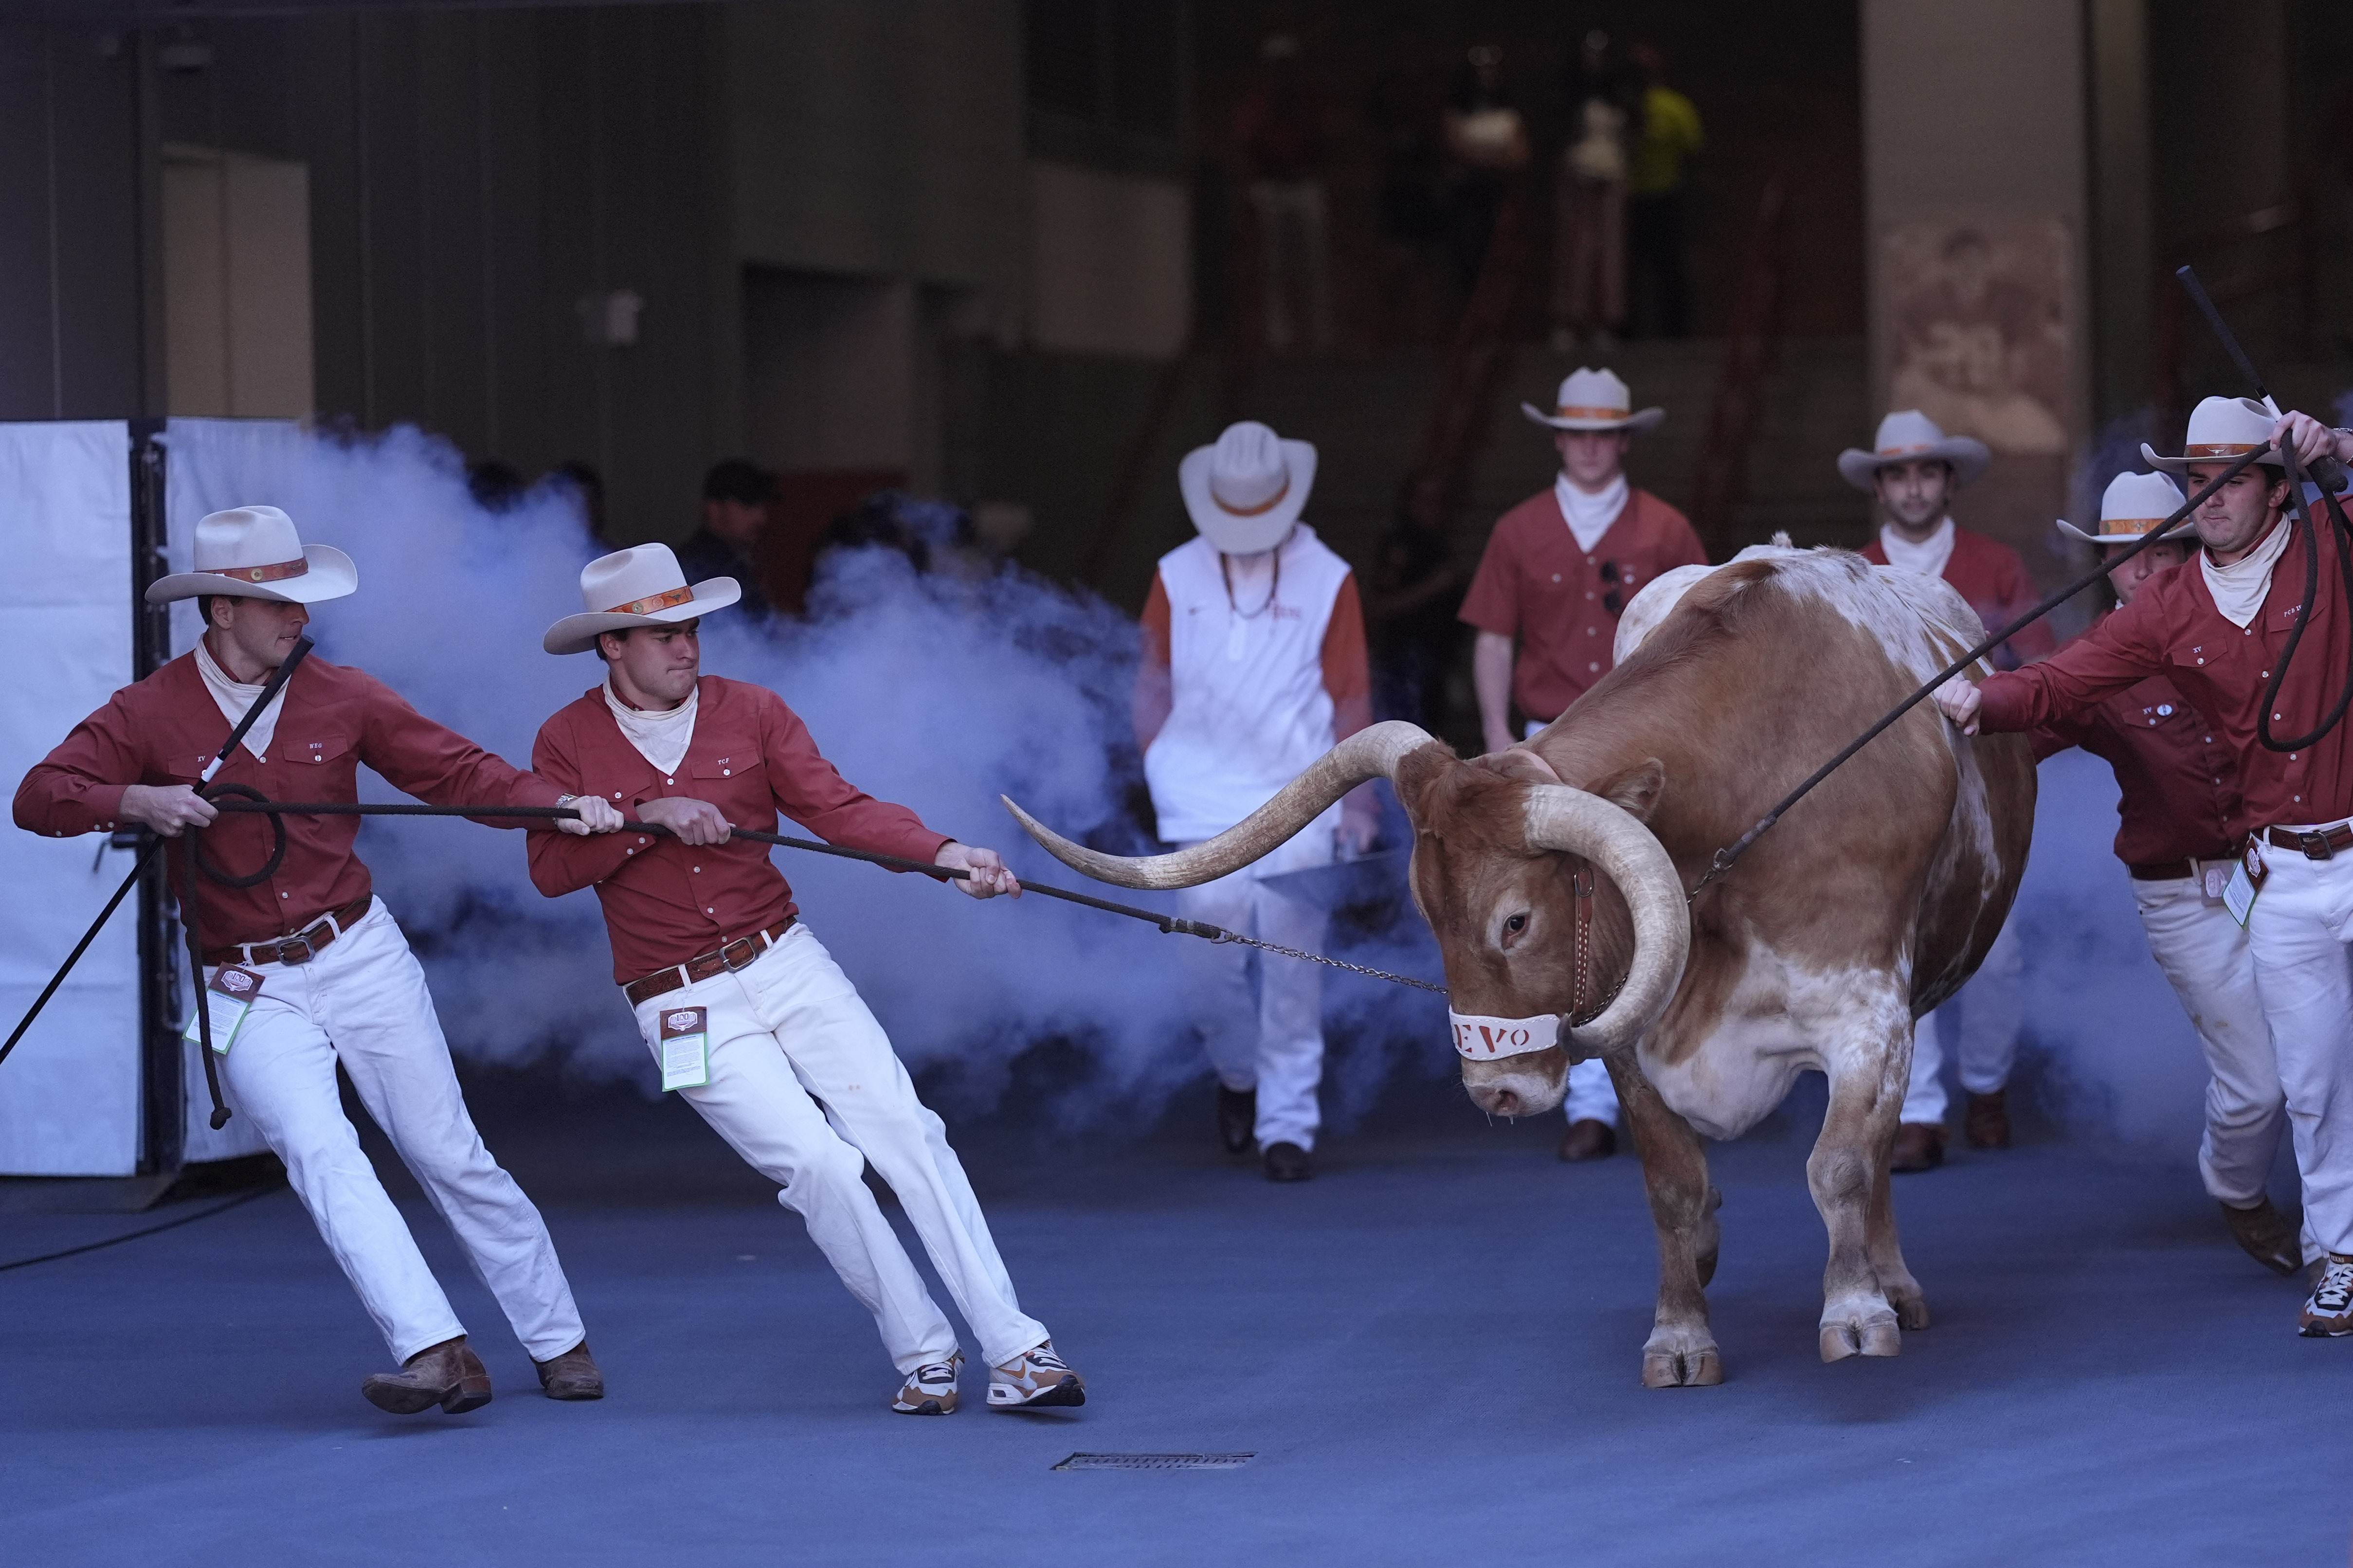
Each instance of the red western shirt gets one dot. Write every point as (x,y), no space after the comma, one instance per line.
(2172,628)
(751,757)
(164,730)
(1993,578)
(1536,583)
(2178,781)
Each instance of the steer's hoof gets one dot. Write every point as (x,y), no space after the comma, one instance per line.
(1873,1334)
(1682,1366)
(1911,1312)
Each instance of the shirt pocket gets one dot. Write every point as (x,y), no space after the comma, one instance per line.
(322,753)
(314,767)
(731,771)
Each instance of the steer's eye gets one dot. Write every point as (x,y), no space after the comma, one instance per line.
(1516,923)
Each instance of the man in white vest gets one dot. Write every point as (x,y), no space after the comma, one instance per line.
(1253,667)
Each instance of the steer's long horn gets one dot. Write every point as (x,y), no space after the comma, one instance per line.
(1562,819)
(1370,754)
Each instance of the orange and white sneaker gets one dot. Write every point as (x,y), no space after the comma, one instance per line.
(931,1390)
(2327,1315)
(1037,1379)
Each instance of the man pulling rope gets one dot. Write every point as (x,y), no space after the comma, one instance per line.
(310,968)
(745,1012)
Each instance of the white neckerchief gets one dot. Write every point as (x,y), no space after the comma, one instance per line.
(1927,557)
(2239,588)
(661,738)
(1589,513)
(234,696)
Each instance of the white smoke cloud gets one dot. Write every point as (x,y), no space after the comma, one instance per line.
(2123,1062)
(942,694)
(929,691)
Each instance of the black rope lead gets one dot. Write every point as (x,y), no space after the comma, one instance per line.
(1725,858)
(192,923)
(1176,925)
(2311,534)
(223,1207)
(270,691)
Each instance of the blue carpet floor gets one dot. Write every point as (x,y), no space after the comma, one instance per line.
(1432,1350)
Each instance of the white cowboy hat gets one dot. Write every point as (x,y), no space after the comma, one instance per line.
(1595,400)
(2130,507)
(641,586)
(1909,435)
(1246,492)
(2222,428)
(253,553)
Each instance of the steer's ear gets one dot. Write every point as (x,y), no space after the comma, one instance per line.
(1635,790)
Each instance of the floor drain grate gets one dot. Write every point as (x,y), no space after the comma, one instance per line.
(1155,1461)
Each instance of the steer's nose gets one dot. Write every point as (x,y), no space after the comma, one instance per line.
(1496,1100)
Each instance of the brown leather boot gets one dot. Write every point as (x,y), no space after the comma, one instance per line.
(2267,1235)
(1919,1146)
(572,1375)
(1589,1140)
(1986,1123)
(448,1374)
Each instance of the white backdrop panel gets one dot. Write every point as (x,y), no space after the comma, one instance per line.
(70,1095)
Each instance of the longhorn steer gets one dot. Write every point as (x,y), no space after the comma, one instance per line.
(1870,903)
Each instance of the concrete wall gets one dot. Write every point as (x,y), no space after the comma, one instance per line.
(1974,115)
(881,140)
(78,210)
(1113,262)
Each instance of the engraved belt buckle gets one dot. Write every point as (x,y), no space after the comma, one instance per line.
(2315,846)
(730,963)
(296,950)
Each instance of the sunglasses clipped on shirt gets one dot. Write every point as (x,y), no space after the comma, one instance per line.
(1612,600)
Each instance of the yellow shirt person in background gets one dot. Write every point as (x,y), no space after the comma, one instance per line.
(1669,138)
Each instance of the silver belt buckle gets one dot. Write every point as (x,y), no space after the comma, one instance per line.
(749,944)
(2315,846)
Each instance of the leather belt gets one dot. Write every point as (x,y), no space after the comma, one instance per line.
(734,955)
(301,947)
(2163,872)
(2323,843)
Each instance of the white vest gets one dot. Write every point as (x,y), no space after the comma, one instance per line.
(1250,709)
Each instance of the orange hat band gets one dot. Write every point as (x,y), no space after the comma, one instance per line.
(1269,504)
(277,572)
(2128,524)
(2219,449)
(1580,411)
(647,606)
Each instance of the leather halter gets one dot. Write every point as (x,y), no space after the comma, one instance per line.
(1581,883)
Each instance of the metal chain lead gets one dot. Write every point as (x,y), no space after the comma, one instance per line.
(1334,963)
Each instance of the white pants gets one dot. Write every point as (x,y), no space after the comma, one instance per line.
(2297,934)
(362,1001)
(1986,1031)
(2205,954)
(1270,1037)
(804,1086)
(1591,1096)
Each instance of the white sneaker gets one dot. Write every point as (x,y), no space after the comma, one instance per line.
(1035,1380)
(2327,1315)
(932,1391)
